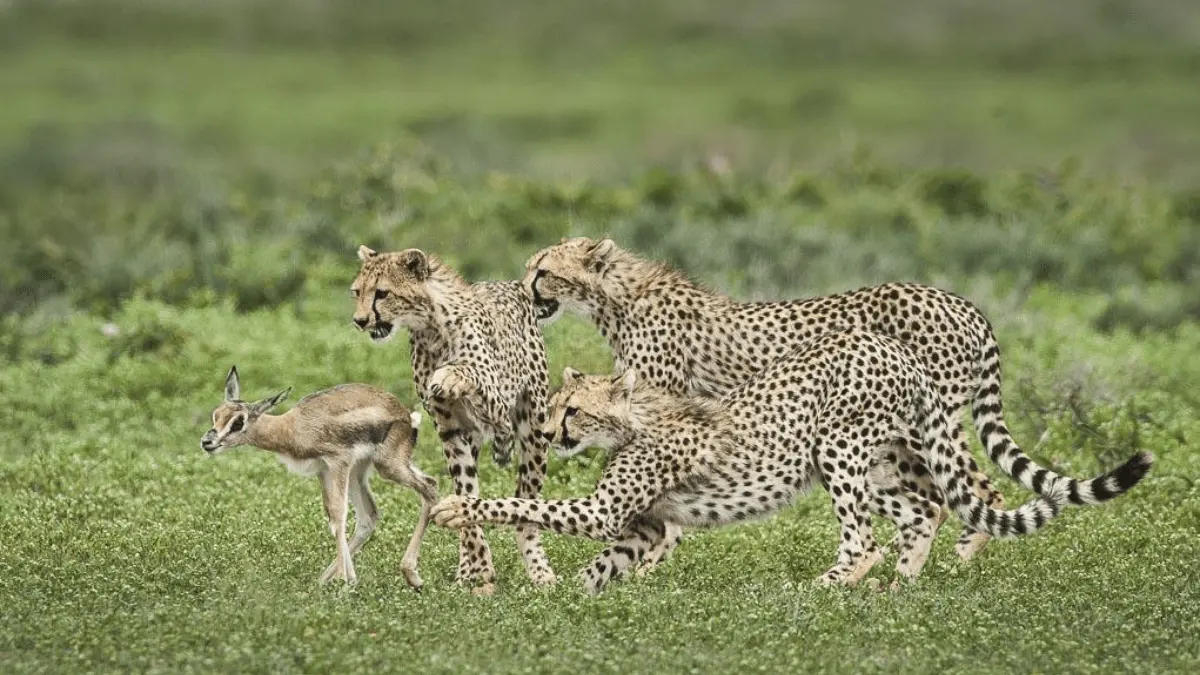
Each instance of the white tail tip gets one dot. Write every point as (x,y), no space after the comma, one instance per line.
(415,418)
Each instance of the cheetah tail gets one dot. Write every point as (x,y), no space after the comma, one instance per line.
(948,465)
(1004,451)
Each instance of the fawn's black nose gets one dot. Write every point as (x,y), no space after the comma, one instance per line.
(361,322)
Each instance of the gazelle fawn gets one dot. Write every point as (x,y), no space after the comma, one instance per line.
(337,434)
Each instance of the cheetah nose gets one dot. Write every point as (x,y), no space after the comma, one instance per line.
(361,322)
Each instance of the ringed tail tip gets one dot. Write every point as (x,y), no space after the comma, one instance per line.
(1134,469)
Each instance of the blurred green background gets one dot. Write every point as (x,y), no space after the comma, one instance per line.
(158,145)
(183,184)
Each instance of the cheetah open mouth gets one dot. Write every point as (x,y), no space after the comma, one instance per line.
(545,308)
(381,331)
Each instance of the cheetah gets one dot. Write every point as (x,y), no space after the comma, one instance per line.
(692,341)
(826,413)
(479,364)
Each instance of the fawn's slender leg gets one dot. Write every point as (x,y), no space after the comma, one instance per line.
(335,488)
(366,513)
(398,468)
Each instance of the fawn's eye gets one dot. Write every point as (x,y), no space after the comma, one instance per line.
(381,293)
(354,292)
(571,410)
(238,423)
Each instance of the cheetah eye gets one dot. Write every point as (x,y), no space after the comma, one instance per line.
(380,294)
(571,410)
(238,423)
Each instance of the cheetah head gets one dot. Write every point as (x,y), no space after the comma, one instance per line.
(567,276)
(589,411)
(391,290)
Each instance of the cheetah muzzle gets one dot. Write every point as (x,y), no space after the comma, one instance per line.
(381,331)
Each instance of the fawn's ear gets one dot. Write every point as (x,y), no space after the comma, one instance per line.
(233,386)
(570,373)
(365,254)
(268,403)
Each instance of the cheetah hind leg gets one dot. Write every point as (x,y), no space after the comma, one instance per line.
(502,446)
(916,519)
(914,477)
(971,543)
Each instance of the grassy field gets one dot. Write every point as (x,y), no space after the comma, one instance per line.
(183,185)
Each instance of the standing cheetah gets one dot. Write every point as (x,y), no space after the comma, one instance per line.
(825,413)
(692,341)
(480,366)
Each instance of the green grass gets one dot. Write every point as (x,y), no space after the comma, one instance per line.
(125,548)
(199,174)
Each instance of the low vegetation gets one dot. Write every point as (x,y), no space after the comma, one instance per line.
(183,186)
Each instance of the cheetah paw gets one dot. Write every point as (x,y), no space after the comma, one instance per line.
(448,383)
(970,545)
(502,450)
(450,513)
(545,579)
(645,569)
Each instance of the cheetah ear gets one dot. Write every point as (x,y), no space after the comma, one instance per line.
(629,381)
(570,373)
(365,254)
(268,403)
(233,385)
(600,255)
(416,262)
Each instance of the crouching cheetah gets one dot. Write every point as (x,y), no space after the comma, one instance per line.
(480,367)
(821,414)
(692,341)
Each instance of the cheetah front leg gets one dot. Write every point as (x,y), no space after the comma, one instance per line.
(461,449)
(629,485)
(640,537)
(602,515)
(670,539)
(581,517)
(531,476)
(847,484)
(451,382)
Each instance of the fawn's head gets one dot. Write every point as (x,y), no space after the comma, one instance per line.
(233,419)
